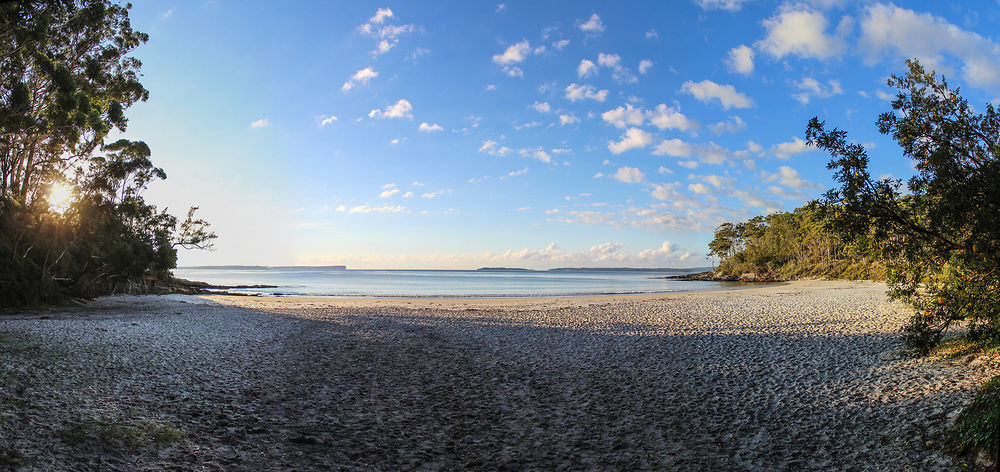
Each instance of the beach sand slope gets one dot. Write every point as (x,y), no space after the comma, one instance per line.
(799,376)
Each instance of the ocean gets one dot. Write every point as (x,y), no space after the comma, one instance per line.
(493,283)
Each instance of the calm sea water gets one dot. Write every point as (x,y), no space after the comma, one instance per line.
(310,281)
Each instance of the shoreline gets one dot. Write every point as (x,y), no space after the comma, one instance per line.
(805,376)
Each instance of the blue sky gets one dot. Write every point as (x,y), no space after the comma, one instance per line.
(531,134)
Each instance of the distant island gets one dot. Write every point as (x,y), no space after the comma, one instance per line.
(593,269)
(504,269)
(258,267)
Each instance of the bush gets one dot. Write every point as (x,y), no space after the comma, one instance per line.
(978,426)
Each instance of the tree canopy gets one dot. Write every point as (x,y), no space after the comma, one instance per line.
(66,81)
(939,232)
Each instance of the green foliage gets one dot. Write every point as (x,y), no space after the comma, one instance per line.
(939,235)
(122,432)
(65,82)
(978,426)
(788,245)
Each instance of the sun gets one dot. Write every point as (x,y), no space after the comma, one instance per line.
(60,197)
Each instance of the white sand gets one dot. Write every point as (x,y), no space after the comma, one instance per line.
(801,376)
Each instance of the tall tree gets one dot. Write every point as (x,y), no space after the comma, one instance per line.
(939,234)
(66,79)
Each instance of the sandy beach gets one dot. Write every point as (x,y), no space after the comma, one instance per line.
(800,376)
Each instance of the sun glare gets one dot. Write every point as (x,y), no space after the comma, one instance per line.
(60,197)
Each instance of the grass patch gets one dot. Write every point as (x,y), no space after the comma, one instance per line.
(122,433)
(978,426)
(952,348)
(11,459)
(14,343)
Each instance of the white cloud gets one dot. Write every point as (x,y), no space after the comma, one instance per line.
(530,124)
(790,178)
(734,125)
(501,6)
(514,54)
(709,153)
(259,123)
(417,53)
(536,153)
(515,173)
(593,25)
(380,15)
(717,181)
(799,31)
(673,147)
(665,117)
(513,71)
(652,34)
(561,44)
(811,87)
(400,109)
(576,92)
(790,148)
(542,107)
(384,46)
(755,201)
(645,65)
(706,90)
(408,195)
(586,68)
(624,116)
(371,209)
(888,30)
(360,77)
(434,194)
(387,34)
(491,87)
(608,60)
(619,72)
(740,60)
(629,175)
(728,5)
(494,149)
(388,193)
(568,119)
(426,128)
(634,138)
(699,188)
(326,120)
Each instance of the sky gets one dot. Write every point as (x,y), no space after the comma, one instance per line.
(461,134)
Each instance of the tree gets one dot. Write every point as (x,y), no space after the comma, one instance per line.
(65,81)
(939,234)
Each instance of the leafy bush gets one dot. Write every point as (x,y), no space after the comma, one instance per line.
(939,234)
(789,245)
(978,426)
